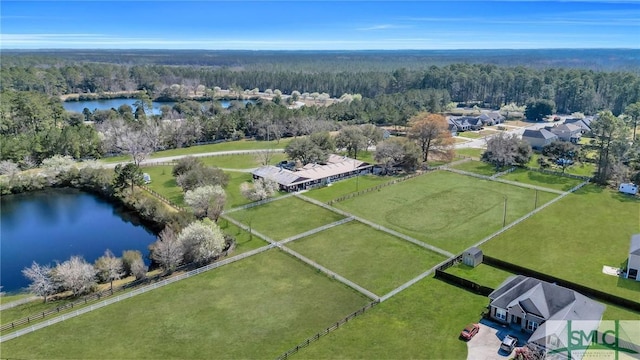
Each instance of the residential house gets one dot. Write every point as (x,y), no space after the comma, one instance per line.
(633,264)
(539,138)
(336,168)
(584,124)
(491,118)
(465,123)
(541,309)
(568,132)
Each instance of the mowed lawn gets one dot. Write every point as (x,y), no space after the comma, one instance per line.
(375,260)
(477,167)
(241,161)
(421,322)
(575,237)
(540,179)
(444,209)
(164,183)
(256,308)
(280,219)
(224,146)
(348,186)
(482,274)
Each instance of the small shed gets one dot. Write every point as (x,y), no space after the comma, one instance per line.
(628,188)
(147,178)
(472,256)
(633,263)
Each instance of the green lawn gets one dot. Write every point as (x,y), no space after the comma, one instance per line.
(477,167)
(582,169)
(240,161)
(347,186)
(470,152)
(283,218)
(541,179)
(575,237)
(422,322)
(375,260)
(234,197)
(482,274)
(224,146)
(163,182)
(256,308)
(444,209)
(32,308)
(5,299)
(470,134)
(244,241)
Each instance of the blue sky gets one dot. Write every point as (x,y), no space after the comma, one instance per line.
(319,25)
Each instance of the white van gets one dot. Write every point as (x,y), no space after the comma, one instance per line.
(628,188)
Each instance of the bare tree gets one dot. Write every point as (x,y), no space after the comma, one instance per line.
(167,250)
(8,167)
(133,264)
(431,133)
(265,157)
(41,277)
(75,275)
(109,267)
(506,150)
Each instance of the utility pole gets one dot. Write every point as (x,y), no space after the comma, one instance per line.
(535,206)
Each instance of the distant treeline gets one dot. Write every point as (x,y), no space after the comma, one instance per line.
(572,90)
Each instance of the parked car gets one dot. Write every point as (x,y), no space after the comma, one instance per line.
(469,331)
(508,343)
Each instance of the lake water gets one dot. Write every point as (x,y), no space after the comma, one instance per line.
(52,225)
(78,106)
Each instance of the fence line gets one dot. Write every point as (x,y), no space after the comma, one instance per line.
(160,163)
(377,226)
(317,230)
(161,198)
(557,173)
(324,332)
(133,293)
(510,170)
(464,283)
(412,281)
(374,188)
(258,203)
(515,183)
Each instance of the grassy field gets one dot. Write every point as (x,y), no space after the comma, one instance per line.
(244,241)
(240,161)
(444,209)
(470,152)
(575,237)
(234,197)
(613,312)
(255,308)
(5,299)
(368,257)
(422,322)
(224,146)
(163,182)
(283,218)
(470,134)
(541,179)
(347,186)
(477,167)
(482,274)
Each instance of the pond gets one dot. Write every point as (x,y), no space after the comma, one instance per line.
(106,104)
(52,225)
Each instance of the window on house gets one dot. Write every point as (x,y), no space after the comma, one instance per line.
(501,314)
(532,325)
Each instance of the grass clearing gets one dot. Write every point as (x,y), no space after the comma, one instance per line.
(256,308)
(224,146)
(541,179)
(244,241)
(163,182)
(444,209)
(476,167)
(482,274)
(575,237)
(613,312)
(287,217)
(240,161)
(5,299)
(470,152)
(373,259)
(421,322)
(347,186)
(234,196)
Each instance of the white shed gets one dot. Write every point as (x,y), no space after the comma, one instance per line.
(472,256)
(628,188)
(147,178)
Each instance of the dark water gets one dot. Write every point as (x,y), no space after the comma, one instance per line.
(78,106)
(52,225)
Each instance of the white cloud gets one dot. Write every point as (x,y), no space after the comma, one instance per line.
(382,27)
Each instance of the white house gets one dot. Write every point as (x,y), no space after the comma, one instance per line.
(633,264)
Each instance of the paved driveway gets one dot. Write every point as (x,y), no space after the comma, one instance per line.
(485,345)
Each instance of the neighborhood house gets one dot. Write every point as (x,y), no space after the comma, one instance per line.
(336,168)
(527,303)
(539,138)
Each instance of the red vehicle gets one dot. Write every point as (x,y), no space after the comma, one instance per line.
(469,331)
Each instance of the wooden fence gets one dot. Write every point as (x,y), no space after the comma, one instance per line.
(375,188)
(558,173)
(463,283)
(161,198)
(324,332)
